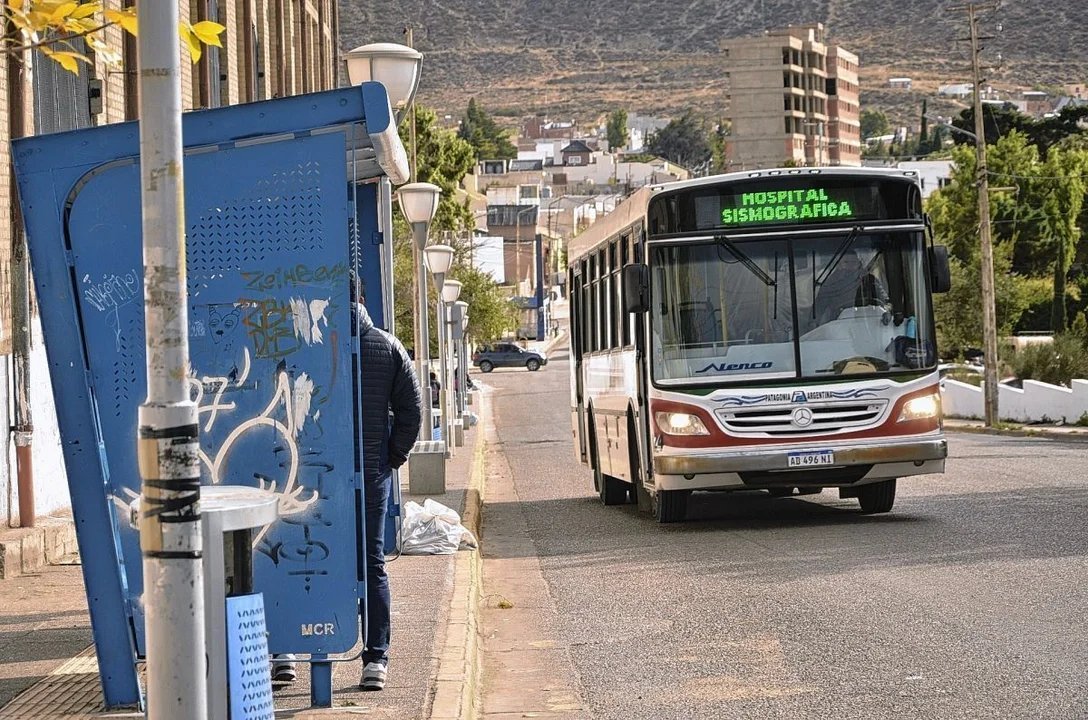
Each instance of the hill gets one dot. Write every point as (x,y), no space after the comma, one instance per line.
(580,58)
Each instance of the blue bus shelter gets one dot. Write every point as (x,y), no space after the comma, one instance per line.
(285,200)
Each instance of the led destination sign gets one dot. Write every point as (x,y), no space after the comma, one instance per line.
(783,200)
(787,206)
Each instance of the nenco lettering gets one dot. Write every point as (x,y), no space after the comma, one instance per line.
(730,367)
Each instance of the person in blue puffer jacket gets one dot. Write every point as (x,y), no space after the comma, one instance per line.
(390,426)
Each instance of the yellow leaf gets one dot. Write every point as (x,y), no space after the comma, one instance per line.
(208,32)
(63,11)
(86,10)
(125,18)
(68,60)
(188,38)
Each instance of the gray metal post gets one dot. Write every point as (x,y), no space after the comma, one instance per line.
(385,205)
(170,538)
(423,335)
(442,365)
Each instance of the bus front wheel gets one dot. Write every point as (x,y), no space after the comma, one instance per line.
(877,497)
(670,506)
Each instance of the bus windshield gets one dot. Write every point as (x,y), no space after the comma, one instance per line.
(731,310)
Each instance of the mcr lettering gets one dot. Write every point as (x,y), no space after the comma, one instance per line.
(309,629)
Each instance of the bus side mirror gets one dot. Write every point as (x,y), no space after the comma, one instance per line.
(636,288)
(938,266)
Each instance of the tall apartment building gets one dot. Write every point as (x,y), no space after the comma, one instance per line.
(271,48)
(793,101)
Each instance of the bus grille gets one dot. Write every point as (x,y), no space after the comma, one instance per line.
(826,419)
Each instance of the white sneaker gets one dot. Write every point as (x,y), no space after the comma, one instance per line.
(373,676)
(283,669)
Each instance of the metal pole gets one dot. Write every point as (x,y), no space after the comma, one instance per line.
(385,201)
(23,428)
(443,376)
(989,310)
(408,40)
(168,435)
(423,335)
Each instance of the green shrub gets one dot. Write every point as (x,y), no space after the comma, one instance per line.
(1056,363)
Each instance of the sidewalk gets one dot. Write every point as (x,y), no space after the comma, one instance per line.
(1058,432)
(44,626)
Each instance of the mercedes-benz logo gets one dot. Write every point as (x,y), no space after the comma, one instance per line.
(802,417)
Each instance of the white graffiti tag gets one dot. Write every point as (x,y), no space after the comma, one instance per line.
(295,404)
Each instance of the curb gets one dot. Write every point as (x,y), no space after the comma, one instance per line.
(25,551)
(459,668)
(1027,431)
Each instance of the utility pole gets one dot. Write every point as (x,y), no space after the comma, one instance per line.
(168,436)
(419,296)
(989,310)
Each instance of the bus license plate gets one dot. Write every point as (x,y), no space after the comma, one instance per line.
(810,459)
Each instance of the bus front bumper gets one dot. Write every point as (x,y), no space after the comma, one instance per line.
(769,465)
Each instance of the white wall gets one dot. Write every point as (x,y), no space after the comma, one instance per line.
(50,480)
(488,256)
(1035,402)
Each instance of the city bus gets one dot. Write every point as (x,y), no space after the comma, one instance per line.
(764,330)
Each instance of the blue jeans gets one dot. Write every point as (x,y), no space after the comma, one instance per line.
(376,619)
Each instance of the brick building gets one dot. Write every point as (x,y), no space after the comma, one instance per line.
(793,99)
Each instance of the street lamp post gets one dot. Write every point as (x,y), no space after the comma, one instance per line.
(419,203)
(451,290)
(398,68)
(460,320)
(439,258)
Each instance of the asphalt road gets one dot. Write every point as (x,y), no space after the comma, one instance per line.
(969,600)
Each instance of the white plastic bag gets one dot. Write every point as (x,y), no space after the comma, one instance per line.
(433,529)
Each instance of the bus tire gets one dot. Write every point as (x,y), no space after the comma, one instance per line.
(670,506)
(877,497)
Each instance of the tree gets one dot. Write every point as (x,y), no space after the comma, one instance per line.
(55,26)
(874,123)
(489,141)
(1038,222)
(617,130)
(1001,120)
(444,159)
(684,141)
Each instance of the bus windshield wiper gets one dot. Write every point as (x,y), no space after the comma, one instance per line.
(843,247)
(739,254)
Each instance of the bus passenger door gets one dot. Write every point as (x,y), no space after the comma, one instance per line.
(642,391)
(576,283)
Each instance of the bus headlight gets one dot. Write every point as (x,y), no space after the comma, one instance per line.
(680,423)
(921,408)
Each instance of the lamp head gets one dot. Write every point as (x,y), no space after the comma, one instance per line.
(396,66)
(439,258)
(419,201)
(451,290)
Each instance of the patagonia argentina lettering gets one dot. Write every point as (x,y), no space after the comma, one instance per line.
(786,206)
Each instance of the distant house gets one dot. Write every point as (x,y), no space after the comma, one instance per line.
(959,90)
(900,83)
(576,153)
